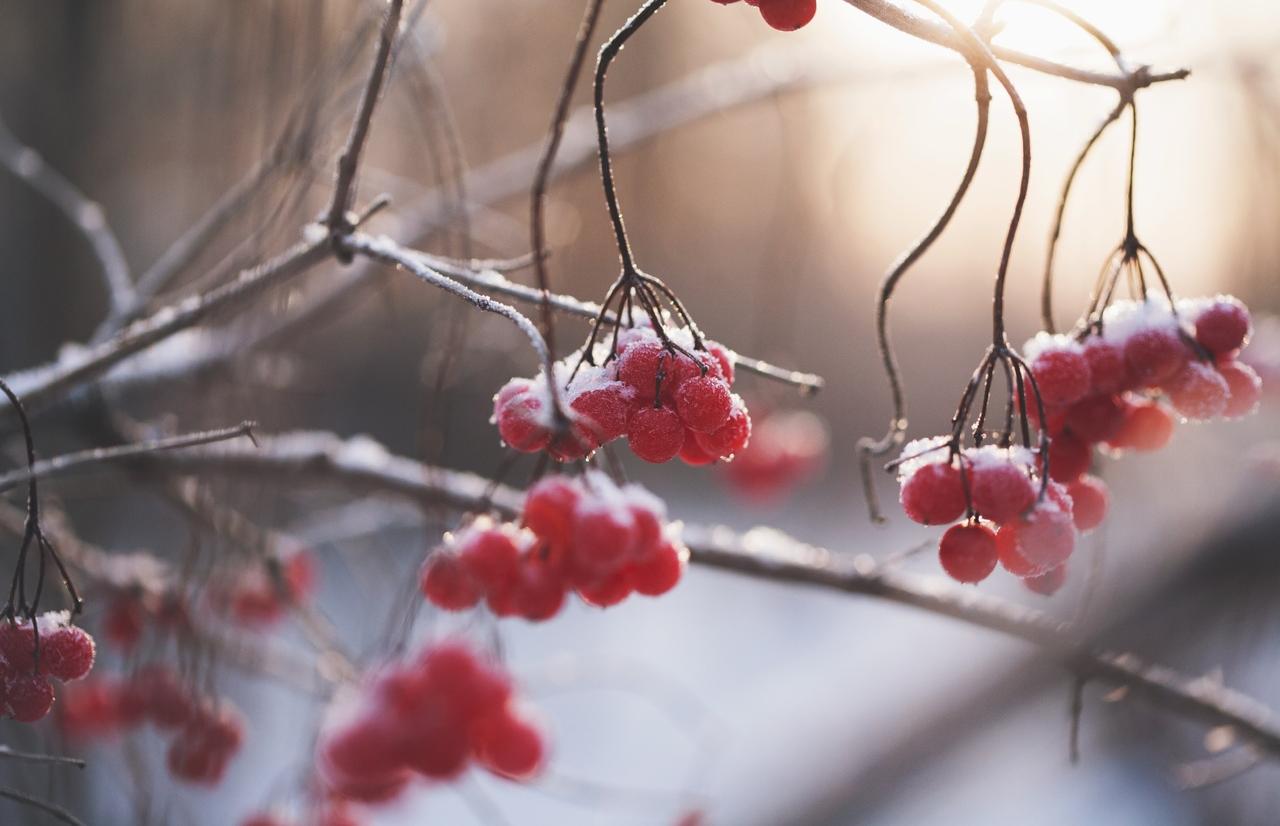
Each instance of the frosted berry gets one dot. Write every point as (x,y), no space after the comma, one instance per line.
(490,556)
(18,645)
(548,509)
(1062,376)
(1069,457)
(604,536)
(1045,537)
(1145,426)
(1244,387)
(704,403)
(1198,392)
(1223,326)
(29,697)
(1108,370)
(67,653)
(1095,419)
(520,423)
(1089,498)
(724,358)
(638,367)
(447,584)
(1000,490)
(573,444)
(732,437)
(692,453)
(655,434)
(659,571)
(604,411)
(1048,583)
(968,552)
(1154,354)
(934,494)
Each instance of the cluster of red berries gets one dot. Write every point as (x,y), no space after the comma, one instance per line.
(787,447)
(665,403)
(206,733)
(1006,519)
(1121,388)
(583,534)
(63,652)
(132,609)
(259,596)
(430,716)
(783,15)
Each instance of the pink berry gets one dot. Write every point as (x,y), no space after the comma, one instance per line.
(1089,499)
(1044,538)
(1062,376)
(1145,426)
(67,653)
(604,536)
(520,425)
(29,697)
(604,411)
(704,403)
(1154,355)
(1095,419)
(447,584)
(732,437)
(548,509)
(659,571)
(934,494)
(1048,583)
(1244,386)
(1108,371)
(1198,392)
(655,434)
(787,15)
(1000,490)
(1223,327)
(1069,457)
(968,552)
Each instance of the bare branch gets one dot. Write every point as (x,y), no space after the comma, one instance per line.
(52,809)
(84,214)
(7,753)
(365,466)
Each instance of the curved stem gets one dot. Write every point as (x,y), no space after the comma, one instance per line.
(868,447)
(1133,157)
(608,52)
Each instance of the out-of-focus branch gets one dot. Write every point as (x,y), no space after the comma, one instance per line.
(362,465)
(84,214)
(7,753)
(52,809)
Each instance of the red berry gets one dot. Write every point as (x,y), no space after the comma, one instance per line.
(1062,376)
(1108,371)
(680,369)
(436,741)
(787,15)
(89,710)
(608,591)
(1244,386)
(1048,583)
(1223,326)
(490,556)
(692,452)
(723,357)
(510,746)
(1095,419)
(604,411)
(732,437)
(168,703)
(1089,498)
(447,584)
(638,367)
(18,645)
(1145,426)
(29,697)
(659,571)
(1198,392)
(124,621)
(548,509)
(67,653)
(655,434)
(934,494)
(1044,538)
(604,536)
(1068,457)
(573,444)
(520,423)
(1154,355)
(704,403)
(1000,490)
(540,591)
(968,552)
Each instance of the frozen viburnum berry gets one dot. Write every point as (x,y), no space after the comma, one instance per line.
(520,416)
(1060,369)
(704,403)
(1198,392)
(447,584)
(1048,583)
(1144,426)
(1108,371)
(934,494)
(1089,501)
(1223,326)
(787,447)
(28,697)
(67,653)
(655,434)
(1069,457)
(603,412)
(730,438)
(787,15)
(1095,419)
(660,571)
(509,744)
(1044,538)
(968,552)
(1244,387)
(999,488)
(1154,355)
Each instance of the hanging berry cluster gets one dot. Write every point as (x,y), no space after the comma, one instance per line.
(585,534)
(1119,383)
(430,717)
(34,653)
(783,15)
(259,596)
(207,733)
(667,402)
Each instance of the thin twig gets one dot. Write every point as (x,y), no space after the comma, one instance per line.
(7,753)
(52,809)
(72,462)
(84,214)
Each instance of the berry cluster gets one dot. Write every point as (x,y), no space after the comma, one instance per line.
(131,610)
(787,447)
(331,814)
(1116,385)
(1034,533)
(429,716)
(259,596)
(584,534)
(207,733)
(62,652)
(783,15)
(665,403)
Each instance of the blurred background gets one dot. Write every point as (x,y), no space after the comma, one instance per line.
(785,185)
